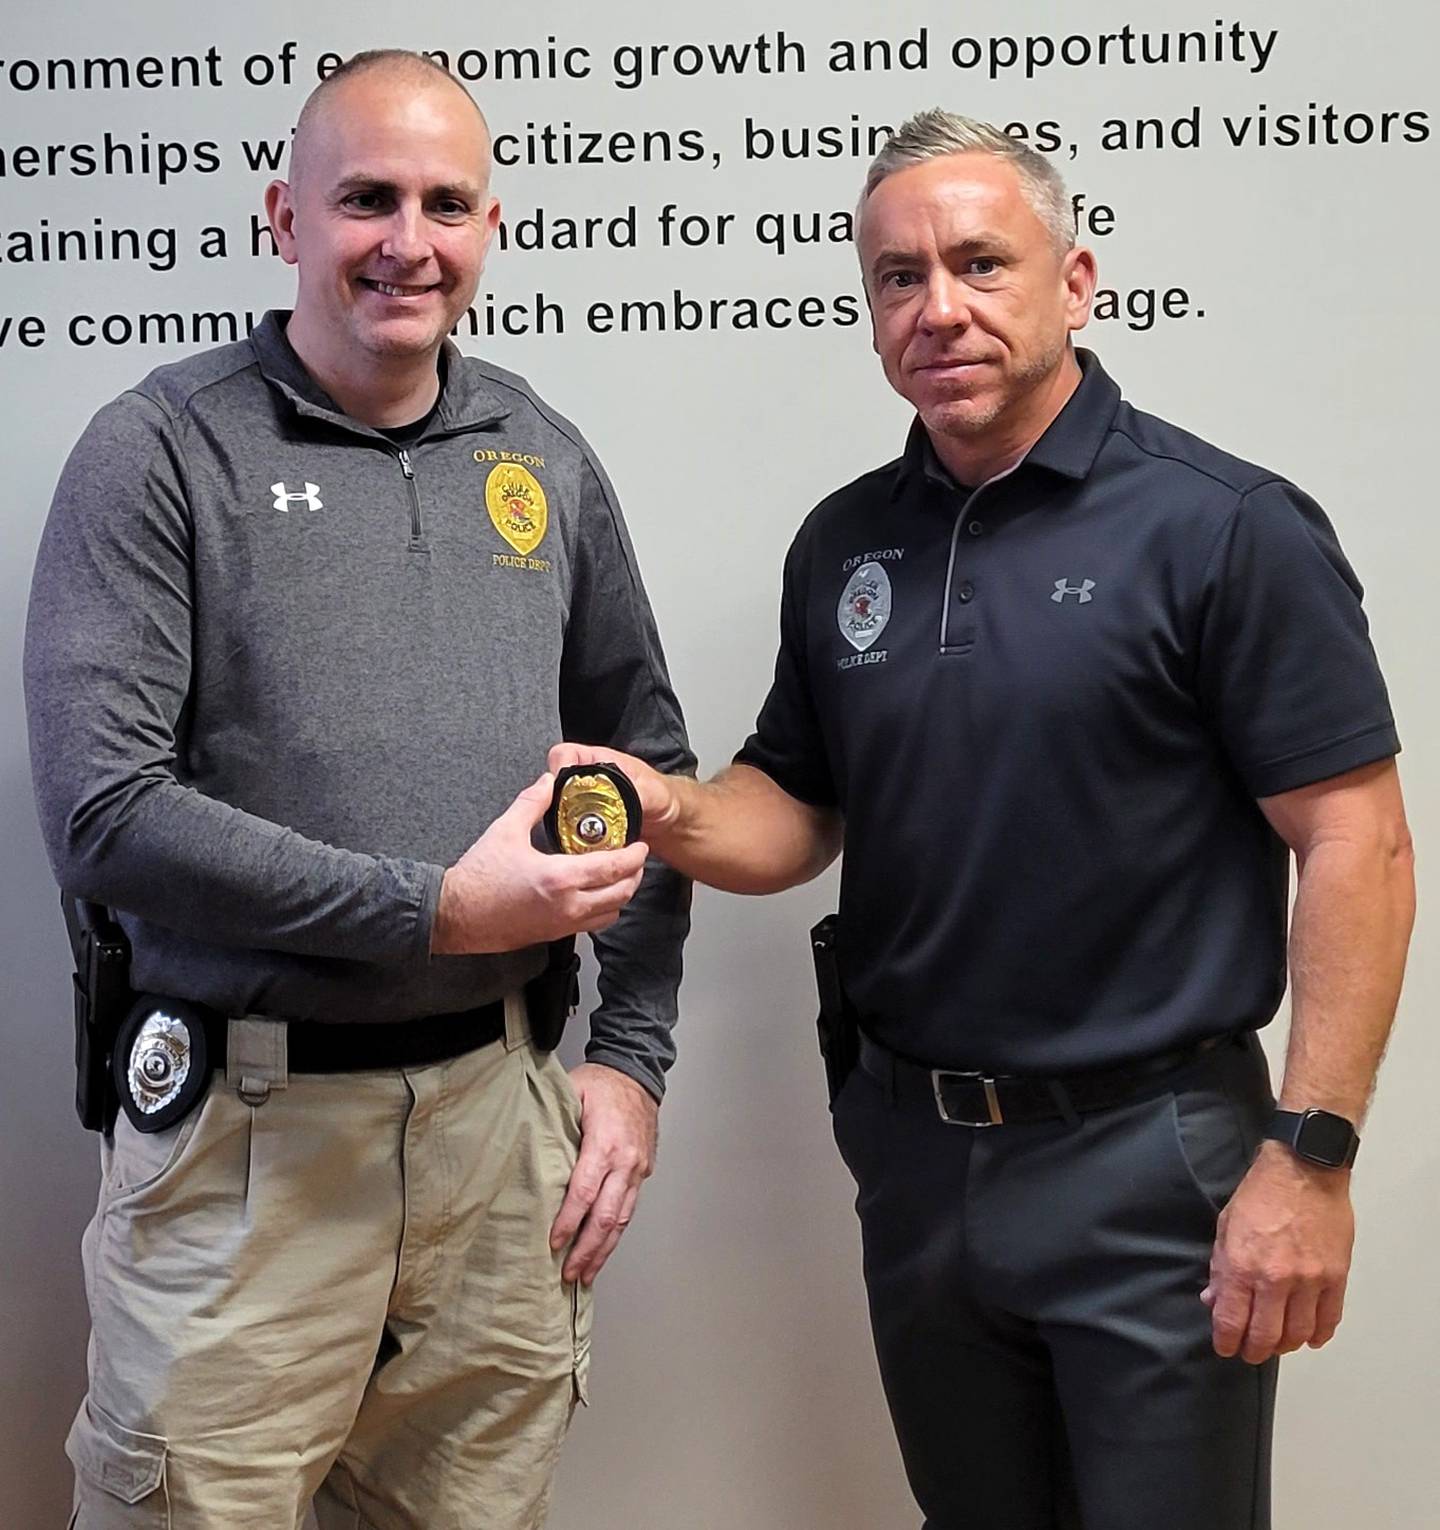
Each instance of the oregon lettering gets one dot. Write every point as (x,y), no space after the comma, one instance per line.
(881,554)
(527,459)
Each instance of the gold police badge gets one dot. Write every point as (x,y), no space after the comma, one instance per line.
(517,507)
(594,807)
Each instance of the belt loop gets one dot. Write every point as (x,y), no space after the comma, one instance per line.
(1063,1103)
(257,1058)
(517,1022)
(891,1090)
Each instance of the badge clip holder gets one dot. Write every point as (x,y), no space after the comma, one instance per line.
(595,807)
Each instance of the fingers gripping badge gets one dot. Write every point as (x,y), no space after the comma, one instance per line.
(161,1063)
(595,807)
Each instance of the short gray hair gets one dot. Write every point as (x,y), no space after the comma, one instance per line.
(936,133)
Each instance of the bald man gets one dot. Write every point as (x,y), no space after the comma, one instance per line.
(307,611)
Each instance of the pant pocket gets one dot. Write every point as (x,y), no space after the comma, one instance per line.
(1212,1145)
(548,1065)
(582,1313)
(119,1474)
(139,1161)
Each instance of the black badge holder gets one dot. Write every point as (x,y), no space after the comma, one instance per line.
(161,1062)
(624,789)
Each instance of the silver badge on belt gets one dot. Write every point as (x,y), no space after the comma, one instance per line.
(161,1065)
(159,1062)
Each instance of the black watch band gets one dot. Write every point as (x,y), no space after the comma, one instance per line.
(1317,1136)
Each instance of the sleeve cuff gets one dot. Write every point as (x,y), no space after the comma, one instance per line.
(1297,770)
(650,1079)
(425,913)
(807,792)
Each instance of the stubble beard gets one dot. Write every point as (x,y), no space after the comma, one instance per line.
(390,344)
(394,348)
(965,419)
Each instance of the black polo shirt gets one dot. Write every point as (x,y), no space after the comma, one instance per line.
(1046,709)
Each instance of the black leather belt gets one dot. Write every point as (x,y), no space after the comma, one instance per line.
(349,1046)
(981,1099)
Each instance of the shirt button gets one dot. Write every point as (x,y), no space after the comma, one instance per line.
(967,591)
(976,528)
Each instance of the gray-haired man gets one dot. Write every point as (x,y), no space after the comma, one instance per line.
(1070,685)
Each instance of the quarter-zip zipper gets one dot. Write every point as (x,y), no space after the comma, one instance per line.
(416,529)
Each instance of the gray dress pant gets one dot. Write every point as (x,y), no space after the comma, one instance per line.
(1035,1299)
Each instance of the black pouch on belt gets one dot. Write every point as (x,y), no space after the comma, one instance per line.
(552,996)
(102,1000)
(838,1025)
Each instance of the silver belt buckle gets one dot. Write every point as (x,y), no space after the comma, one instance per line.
(992,1100)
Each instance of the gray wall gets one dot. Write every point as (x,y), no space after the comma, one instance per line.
(733,1380)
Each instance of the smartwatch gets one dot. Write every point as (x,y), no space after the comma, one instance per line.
(1317,1136)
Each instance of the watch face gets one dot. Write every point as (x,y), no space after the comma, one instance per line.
(1324,1138)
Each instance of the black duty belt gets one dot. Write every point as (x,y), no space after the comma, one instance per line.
(982,1099)
(349,1046)
(166,1050)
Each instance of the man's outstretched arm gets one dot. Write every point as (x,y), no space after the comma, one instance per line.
(740,832)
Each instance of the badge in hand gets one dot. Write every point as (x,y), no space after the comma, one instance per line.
(595,807)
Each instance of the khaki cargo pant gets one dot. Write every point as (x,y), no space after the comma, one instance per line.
(345,1292)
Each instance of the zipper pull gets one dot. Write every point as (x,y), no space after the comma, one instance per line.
(405,467)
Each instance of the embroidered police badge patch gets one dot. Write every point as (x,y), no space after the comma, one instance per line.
(517,506)
(865,606)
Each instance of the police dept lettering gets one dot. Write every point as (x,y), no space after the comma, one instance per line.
(864,609)
(518,507)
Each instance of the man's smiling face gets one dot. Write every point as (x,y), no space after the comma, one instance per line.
(388,217)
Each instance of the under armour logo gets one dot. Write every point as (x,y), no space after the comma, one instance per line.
(310,498)
(1082,590)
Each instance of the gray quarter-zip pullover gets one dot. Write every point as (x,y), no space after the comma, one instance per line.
(280,672)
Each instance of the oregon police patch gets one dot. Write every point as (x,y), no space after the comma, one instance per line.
(864,606)
(517,506)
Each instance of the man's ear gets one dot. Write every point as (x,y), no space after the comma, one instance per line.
(492,222)
(1079,274)
(280,210)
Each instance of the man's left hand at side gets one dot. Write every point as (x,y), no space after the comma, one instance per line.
(618,1127)
(1281,1258)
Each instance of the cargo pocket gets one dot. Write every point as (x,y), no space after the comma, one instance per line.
(582,1312)
(121,1474)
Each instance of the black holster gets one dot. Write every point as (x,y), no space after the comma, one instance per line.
(838,1024)
(102,1000)
(552,996)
